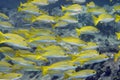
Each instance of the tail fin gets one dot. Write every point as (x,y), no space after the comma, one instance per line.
(2,38)
(44,70)
(95,19)
(63,8)
(77,31)
(7,57)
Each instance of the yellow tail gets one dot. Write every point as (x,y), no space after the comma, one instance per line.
(2,38)
(44,70)
(63,8)
(95,19)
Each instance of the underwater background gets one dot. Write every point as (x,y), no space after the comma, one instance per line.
(60,40)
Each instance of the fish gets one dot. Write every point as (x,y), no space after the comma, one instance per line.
(4,25)
(77,1)
(72,8)
(91,5)
(44,19)
(4,16)
(7,50)
(60,24)
(58,67)
(10,76)
(29,8)
(5,66)
(68,19)
(87,30)
(40,2)
(20,61)
(103,18)
(89,46)
(96,10)
(72,41)
(116,8)
(82,74)
(85,54)
(32,57)
(91,60)
(43,39)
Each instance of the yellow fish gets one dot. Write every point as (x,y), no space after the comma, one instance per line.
(87,30)
(82,74)
(58,67)
(40,2)
(72,41)
(44,18)
(10,76)
(4,16)
(103,18)
(72,8)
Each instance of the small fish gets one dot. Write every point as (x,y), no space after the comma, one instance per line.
(72,8)
(4,25)
(77,1)
(40,2)
(68,19)
(72,41)
(85,54)
(116,8)
(91,4)
(103,18)
(58,67)
(91,60)
(29,8)
(96,10)
(90,46)
(44,19)
(20,61)
(82,74)
(32,57)
(5,66)
(116,56)
(4,16)
(10,76)
(43,39)
(87,30)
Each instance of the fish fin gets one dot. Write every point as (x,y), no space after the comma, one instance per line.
(2,37)
(33,19)
(58,38)
(7,57)
(116,56)
(77,31)
(63,8)
(66,76)
(95,20)
(44,70)
(17,55)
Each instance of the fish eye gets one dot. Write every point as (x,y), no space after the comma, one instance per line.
(94,72)
(33,64)
(18,75)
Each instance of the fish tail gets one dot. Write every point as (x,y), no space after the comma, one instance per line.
(7,58)
(2,38)
(77,31)
(115,57)
(63,8)
(44,70)
(95,20)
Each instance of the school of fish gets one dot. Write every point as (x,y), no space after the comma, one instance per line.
(41,49)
